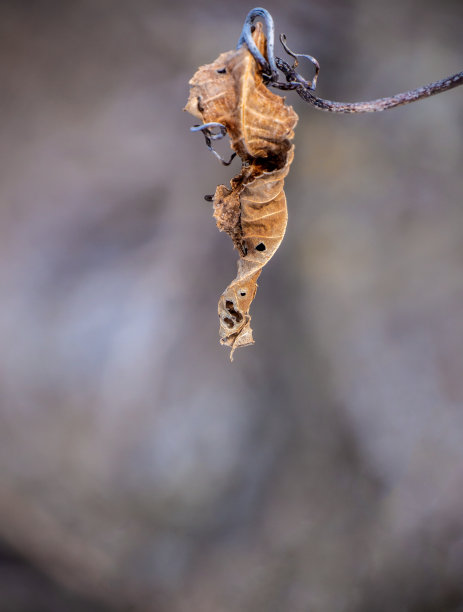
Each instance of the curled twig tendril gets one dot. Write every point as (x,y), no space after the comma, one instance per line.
(305,88)
(209,136)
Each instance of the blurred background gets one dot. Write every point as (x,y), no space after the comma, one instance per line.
(140,470)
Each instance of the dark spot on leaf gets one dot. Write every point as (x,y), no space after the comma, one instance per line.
(242,293)
(222,71)
(209,198)
(260,247)
(200,106)
(229,322)
(234,313)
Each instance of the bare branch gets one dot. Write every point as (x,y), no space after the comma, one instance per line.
(371,106)
(305,88)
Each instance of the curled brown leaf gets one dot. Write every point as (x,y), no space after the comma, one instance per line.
(253,210)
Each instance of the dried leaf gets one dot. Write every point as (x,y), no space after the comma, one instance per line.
(253,211)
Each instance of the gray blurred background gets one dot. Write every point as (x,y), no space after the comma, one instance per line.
(322,471)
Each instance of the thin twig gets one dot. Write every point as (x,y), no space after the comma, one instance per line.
(371,106)
(305,88)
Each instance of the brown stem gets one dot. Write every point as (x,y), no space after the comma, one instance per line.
(371,106)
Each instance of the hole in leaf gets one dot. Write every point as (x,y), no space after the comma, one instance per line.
(260,247)
(234,313)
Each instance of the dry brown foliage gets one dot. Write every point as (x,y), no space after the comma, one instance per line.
(253,210)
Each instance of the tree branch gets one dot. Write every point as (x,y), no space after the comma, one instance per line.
(371,106)
(305,88)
